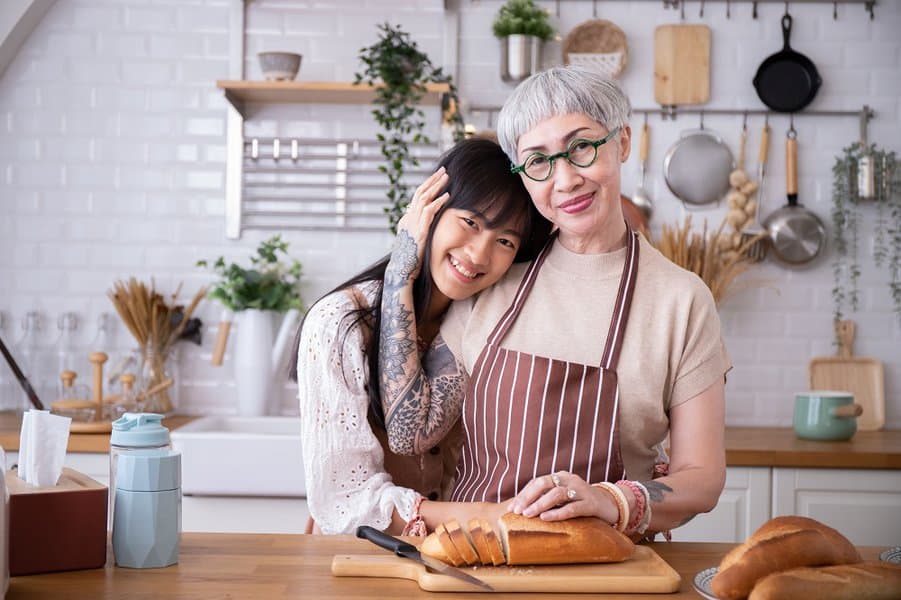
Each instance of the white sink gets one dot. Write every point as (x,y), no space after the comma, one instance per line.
(241,456)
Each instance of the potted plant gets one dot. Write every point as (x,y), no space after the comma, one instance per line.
(257,295)
(521,27)
(400,72)
(847,203)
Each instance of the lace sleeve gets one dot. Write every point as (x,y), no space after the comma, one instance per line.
(343,461)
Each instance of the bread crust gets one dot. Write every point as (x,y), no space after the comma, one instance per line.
(479,541)
(531,541)
(495,549)
(871,580)
(780,544)
(461,542)
(449,548)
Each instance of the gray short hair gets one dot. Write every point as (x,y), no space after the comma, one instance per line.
(560,91)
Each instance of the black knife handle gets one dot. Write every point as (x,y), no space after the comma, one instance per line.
(384,540)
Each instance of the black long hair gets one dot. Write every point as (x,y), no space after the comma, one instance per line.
(480,181)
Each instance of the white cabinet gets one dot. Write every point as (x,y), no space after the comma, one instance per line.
(864,505)
(744,506)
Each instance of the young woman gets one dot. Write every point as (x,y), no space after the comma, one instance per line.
(465,226)
(581,365)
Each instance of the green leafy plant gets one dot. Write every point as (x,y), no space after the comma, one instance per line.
(269,283)
(846,207)
(400,72)
(524,18)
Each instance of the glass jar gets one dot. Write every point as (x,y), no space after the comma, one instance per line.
(37,362)
(158,382)
(141,433)
(68,354)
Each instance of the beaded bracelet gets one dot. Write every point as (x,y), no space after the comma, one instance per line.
(619,498)
(416,525)
(646,518)
(640,504)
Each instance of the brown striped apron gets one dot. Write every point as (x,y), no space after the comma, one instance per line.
(526,415)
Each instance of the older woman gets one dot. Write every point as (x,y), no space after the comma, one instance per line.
(578,366)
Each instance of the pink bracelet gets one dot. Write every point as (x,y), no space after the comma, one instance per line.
(416,525)
(640,504)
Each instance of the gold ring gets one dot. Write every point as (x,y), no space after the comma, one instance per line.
(556,479)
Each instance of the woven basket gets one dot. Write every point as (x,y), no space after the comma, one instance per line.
(608,64)
(597,44)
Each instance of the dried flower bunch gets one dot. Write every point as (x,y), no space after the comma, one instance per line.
(705,254)
(156,325)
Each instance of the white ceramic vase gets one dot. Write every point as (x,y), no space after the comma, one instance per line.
(253,361)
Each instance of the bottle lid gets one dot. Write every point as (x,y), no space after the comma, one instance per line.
(149,472)
(139,430)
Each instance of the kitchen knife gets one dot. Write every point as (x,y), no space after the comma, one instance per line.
(405,550)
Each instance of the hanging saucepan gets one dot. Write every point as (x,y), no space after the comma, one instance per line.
(696,168)
(787,81)
(797,235)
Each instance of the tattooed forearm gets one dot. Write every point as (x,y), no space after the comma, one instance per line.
(429,406)
(686,520)
(656,490)
(404,263)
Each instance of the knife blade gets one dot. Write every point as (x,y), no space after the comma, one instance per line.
(405,550)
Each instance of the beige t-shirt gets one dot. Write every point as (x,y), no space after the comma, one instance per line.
(671,352)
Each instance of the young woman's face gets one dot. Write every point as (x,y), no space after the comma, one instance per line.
(467,256)
(583,202)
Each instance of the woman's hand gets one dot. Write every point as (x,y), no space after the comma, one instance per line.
(413,227)
(562,495)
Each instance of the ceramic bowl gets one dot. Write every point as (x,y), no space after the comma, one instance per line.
(279,66)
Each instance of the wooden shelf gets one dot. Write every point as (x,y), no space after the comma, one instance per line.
(322,92)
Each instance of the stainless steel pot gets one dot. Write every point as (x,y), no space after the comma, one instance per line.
(696,168)
(797,235)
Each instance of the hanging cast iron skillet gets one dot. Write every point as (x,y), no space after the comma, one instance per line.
(787,81)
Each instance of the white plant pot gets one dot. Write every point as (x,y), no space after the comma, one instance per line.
(520,57)
(253,361)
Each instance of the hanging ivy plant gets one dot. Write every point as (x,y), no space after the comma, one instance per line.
(401,71)
(846,205)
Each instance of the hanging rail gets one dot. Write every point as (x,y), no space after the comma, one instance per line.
(868,5)
(865,114)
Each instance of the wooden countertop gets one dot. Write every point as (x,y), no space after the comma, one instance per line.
(218,565)
(745,447)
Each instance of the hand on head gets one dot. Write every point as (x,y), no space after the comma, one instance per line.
(421,211)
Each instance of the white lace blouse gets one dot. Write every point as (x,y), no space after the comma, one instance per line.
(347,484)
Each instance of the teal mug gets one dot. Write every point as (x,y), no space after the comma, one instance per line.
(826,415)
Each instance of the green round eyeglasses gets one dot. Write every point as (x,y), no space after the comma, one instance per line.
(580,153)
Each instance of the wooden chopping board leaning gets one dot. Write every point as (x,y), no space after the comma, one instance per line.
(863,377)
(681,64)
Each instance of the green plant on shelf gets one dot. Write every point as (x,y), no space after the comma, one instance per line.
(272,282)
(522,17)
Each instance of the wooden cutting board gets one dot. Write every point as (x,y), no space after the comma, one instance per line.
(645,573)
(863,377)
(681,64)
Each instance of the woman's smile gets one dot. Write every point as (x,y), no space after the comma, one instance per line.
(577,204)
(464,273)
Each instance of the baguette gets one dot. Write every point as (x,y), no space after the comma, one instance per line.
(861,581)
(523,540)
(479,541)
(531,541)
(780,544)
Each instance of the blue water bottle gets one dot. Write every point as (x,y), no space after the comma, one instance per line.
(145,485)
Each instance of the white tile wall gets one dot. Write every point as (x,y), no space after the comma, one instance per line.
(112,157)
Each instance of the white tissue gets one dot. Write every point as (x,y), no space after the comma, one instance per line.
(42,447)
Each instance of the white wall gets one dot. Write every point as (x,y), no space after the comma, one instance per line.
(112,144)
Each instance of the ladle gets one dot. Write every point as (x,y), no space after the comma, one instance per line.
(641,199)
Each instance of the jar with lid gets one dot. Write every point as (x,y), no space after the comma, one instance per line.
(36,360)
(68,353)
(135,433)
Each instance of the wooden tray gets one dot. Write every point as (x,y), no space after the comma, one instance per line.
(645,573)
(863,377)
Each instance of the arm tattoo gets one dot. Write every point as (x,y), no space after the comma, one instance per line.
(656,489)
(428,407)
(421,402)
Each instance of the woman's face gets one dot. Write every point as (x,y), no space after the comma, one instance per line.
(467,256)
(583,202)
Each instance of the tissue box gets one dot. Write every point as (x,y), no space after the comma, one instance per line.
(58,528)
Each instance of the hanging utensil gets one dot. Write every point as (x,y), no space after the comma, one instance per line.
(798,235)
(787,81)
(866,173)
(696,168)
(754,237)
(641,199)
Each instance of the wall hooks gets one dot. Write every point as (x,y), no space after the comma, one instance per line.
(868,5)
